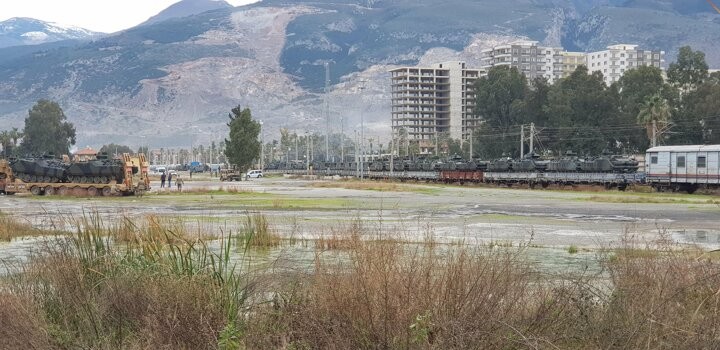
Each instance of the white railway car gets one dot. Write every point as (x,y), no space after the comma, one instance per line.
(683,168)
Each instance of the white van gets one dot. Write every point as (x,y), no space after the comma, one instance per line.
(254,174)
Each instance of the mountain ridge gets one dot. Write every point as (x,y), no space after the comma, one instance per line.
(174,81)
(19,31)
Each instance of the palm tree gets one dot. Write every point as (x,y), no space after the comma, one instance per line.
(5,140)
(654,113)
(15,135)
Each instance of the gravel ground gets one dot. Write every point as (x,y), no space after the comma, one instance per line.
(471,214)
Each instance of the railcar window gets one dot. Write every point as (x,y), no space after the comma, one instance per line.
(701,161)
(681,161)
(653,160)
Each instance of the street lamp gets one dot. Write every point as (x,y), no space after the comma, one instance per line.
(262,147)
(362,132)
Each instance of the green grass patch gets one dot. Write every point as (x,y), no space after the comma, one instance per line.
(373,185)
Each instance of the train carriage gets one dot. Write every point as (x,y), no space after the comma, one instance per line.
(683,168)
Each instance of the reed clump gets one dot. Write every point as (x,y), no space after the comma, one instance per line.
(361,291)
(257,233)
(390,295)
(90,292)
(11,227)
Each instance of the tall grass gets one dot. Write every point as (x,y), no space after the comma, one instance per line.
(389,295)
(168,291)
(93,293)
(256,232)
(11,227)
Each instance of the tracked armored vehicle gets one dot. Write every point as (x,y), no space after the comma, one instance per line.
(44,169)
(47,176)
(99,171)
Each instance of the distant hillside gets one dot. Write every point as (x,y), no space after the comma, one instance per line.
(27,31)
(186,8)
(172,82)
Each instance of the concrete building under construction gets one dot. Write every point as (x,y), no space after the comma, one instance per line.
(435,101)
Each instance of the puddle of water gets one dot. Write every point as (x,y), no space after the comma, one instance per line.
(705,238)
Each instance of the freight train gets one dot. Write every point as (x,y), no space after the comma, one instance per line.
(673,168)
(48,175)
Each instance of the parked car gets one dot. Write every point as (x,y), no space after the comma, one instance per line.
(254,174)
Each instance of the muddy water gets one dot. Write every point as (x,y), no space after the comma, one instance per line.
(550,220)
(300,257)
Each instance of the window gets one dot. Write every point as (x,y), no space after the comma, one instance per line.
(680,161)
(701,161)
(653,159)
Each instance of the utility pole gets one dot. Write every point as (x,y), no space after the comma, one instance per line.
(342,139)
(357,158)
(327,112)
(307,154)
(522,140)
(362,133)
(436,143)
(532,138)
(392,153)
(654,133)
(471,144)
(296,147)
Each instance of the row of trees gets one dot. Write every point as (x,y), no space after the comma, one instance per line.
(47,131)
(583,114)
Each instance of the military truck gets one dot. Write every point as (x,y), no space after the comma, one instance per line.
(231,175)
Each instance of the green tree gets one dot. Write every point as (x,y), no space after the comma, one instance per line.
(47,130)
(500,104)
(5,142)
(689,71)
(699,120)
(535,101)
(580,109)
(654,111)
(115,149)
(243,146)
(636,86)
(714,78)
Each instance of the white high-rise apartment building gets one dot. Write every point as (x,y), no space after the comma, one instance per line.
(614,61)
(528,57)
(427,101)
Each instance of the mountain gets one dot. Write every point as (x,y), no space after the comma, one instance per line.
(173,82)
(186,8)
(27,31)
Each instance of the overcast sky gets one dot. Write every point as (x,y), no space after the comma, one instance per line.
(99,15)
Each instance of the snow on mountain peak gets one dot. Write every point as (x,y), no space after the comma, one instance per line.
(29,31)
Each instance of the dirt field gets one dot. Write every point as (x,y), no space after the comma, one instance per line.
(301,208)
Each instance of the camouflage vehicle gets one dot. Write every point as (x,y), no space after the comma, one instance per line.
(42,169)
(230,175)
(98,171)
(49,176)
